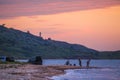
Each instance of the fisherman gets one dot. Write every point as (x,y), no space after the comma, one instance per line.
(88,63)
(67,62)
(80,63)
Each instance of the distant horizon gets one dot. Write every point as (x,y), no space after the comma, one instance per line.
(95,24)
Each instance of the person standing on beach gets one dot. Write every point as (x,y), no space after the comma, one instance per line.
(88,63)
(67,62)
(80,63)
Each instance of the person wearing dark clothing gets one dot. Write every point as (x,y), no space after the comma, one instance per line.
(80,63)
(88,63)
(67,62)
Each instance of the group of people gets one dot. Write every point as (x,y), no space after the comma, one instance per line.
(80,63)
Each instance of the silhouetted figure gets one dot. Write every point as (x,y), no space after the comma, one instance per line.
(88,63)
(67,62)
(80,63)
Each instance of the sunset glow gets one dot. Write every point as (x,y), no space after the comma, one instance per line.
(97,28)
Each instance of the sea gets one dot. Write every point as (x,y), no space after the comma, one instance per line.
(108,70)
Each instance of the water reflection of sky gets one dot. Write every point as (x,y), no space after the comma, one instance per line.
(90,74)
(96,63)
(110,71)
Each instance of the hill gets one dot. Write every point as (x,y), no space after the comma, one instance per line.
(21,44)
(110,55)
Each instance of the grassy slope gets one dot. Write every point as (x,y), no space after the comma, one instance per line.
(25,45)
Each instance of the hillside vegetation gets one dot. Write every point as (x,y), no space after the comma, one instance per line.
(21,44)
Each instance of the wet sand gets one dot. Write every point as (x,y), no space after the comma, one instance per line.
(32,72)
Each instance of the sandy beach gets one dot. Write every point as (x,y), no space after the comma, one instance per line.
(31,72)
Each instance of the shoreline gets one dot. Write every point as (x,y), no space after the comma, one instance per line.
(33,72)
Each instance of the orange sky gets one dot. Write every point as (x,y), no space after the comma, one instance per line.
(95,28)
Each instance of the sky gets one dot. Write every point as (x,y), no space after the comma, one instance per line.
(93,23)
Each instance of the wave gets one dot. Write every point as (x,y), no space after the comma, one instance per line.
(90,74)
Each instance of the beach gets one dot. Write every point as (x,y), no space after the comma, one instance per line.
(98,70)
(31,72)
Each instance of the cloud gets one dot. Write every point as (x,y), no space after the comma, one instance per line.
(40,20)
(15,8)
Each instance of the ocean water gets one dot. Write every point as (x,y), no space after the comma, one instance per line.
(110,70)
